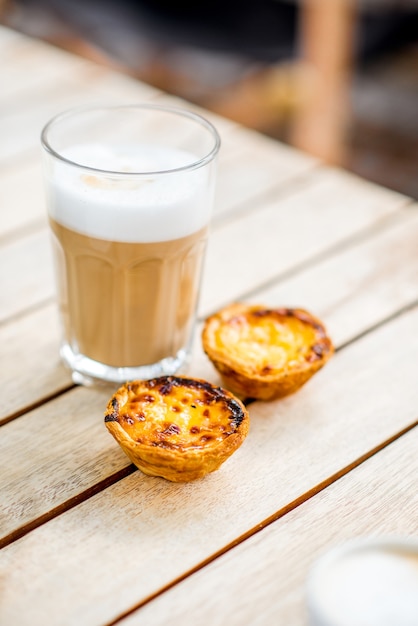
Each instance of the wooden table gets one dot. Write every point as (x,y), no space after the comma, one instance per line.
(89,540)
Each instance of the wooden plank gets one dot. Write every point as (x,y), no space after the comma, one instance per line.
(146,531)
(256,161)
(281,233)
(369,281)
(65,81)
(30,66)
(351,290)
(272,567)
(29,361)
(9,39)
(22,199)
(252,166)
(26,275)
(21,188)
(20,125)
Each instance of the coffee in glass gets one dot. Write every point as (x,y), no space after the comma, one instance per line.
(129,194)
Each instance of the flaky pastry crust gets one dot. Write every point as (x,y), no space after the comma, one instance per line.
(265,353)
(175,427)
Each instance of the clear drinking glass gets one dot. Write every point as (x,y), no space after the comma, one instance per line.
(129,193)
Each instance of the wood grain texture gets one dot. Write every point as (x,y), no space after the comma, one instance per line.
(368,281)
(26,274)
(282,233)
(21,184)
(273,566)
(351,290)
(286,231)
(251,167)
(21,199)
(51,80)
(20,126)
(73,418)
(251,164)
(140,534)
(29,66)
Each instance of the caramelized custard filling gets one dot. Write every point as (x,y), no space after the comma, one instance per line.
(164,412)
(266,340)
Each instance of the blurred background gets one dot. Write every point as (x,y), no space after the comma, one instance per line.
(336,78)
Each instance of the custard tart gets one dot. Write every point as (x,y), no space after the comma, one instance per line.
(177,428)
(265,353)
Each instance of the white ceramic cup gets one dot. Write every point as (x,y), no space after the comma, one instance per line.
(365,582)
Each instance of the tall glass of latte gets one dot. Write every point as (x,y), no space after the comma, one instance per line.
(129,193)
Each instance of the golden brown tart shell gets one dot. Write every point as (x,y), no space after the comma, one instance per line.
(265,353)
(175,427)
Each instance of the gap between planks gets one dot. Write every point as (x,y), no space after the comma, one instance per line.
(18,533)
(37,404)
(67,505)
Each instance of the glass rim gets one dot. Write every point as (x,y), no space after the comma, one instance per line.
(207,158)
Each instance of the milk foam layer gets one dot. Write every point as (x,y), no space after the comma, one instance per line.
(377,587)
(134,208)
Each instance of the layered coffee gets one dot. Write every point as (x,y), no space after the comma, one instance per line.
(128,250)
(127,304)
